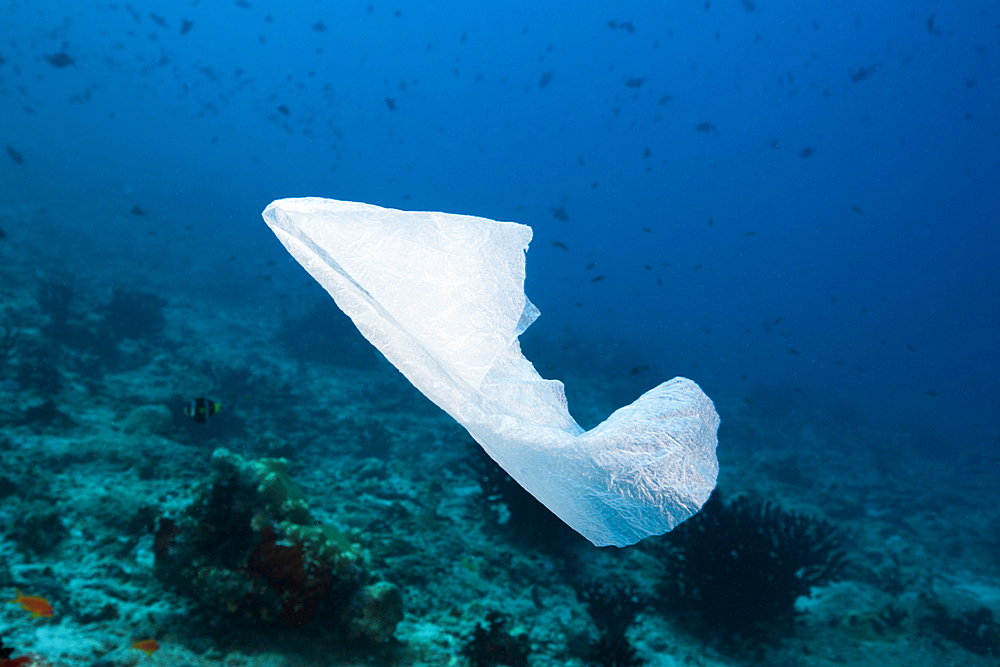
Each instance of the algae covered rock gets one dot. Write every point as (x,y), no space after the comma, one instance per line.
(249,546)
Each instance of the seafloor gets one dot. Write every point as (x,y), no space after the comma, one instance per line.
(106,336)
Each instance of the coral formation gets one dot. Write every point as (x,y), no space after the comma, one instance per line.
(492,645)
(740,566)
(974,630)
(249,546)
(613,610)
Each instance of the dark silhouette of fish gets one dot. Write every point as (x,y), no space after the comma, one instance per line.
(283,110)
(635,83)
(560,245)
(707,128)
(856,209)
(137,211)
(665,99)
(391,103)
(319,26)
(560,214)
(158,20)
(807,151)
(930,25)
(545,80)
(627,26)
(597,279)
(60,60)
(186,26)
(14,155)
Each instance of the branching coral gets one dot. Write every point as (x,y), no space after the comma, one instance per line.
(492,646)
(613,610)
(740,566)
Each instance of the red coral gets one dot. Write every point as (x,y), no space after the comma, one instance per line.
(300,582)
(7,661)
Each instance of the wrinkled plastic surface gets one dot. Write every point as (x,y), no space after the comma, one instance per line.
(442,297)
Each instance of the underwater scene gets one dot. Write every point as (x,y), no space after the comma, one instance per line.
(754,421)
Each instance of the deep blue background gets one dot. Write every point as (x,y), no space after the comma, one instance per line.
(861,279)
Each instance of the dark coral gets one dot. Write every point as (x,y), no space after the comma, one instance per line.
(740,566)
(974,630)
(613,611)
(491,645)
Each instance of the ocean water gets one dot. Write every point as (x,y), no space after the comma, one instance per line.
(796,205)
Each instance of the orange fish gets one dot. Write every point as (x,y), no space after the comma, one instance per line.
(147,646)
(38,606)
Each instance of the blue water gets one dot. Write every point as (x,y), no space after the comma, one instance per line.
(827,240)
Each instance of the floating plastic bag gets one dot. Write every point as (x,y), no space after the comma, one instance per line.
(442,297)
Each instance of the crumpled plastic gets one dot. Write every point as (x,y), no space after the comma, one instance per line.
(442,297)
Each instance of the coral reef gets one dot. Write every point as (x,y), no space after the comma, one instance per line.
(973,629)
(740,566)
(249,547)
(613,610)
(492,645)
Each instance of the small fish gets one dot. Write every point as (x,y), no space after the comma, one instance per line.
(792,350)
(147,646)
(647,230)
(931,393)
(750,233)
(807,151)
(635,83)
(186,26)
(391,103)
(856,209)
(560,245)
(773,143)
(560,214)
(931,28)
(706,127)
(60,60)
(137,211)
(545,80)
(14,155)
(665,99)
(38,606)
(283,110)
(638,369)
(200,409)
(597,279)
(590,266)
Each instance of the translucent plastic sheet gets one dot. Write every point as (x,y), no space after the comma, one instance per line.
(442,297)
